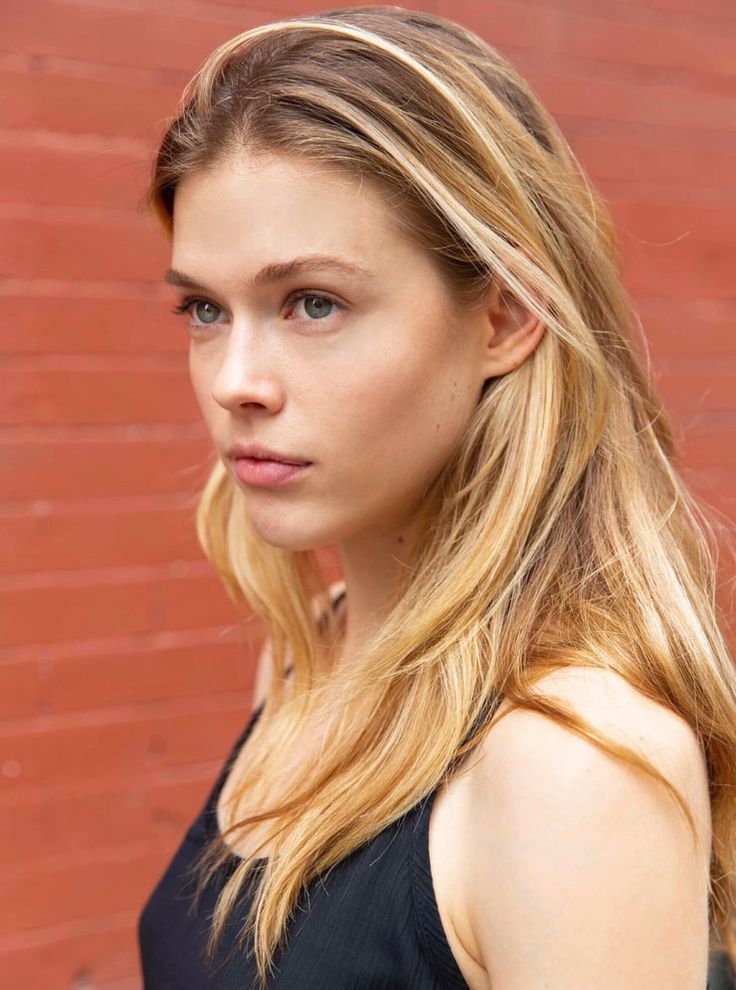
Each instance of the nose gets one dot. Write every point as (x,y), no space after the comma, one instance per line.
(246,375)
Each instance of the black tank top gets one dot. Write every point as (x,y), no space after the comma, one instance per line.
(372,923)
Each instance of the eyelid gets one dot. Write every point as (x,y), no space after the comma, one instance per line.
(299,294)
(188,302)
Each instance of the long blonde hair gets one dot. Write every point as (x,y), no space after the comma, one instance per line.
(560,533)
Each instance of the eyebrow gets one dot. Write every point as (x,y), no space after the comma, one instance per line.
(277,271)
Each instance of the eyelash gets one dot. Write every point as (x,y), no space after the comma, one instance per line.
(187,304)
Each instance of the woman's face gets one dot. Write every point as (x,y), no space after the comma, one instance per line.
(366,376)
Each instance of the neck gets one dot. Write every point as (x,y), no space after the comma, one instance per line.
(371,566)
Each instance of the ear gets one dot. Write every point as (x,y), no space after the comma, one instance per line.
(510,332)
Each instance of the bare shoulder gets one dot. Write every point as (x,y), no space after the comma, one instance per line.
(264,666)
(612,705)
(583,871)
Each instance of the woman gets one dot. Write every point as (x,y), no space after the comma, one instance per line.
(409,340)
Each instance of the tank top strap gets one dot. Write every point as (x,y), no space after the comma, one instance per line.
(430,929)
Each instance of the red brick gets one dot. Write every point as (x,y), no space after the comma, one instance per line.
(684,269)
(90,885)
(125,247)
(689,164)
(99,396)
(100,814)
(596,31)
(138,532)
(185,665)
(91,318)
(57,170)
(128,460)
(78,104)
(98,949)
(662,104)
(119,36)
(57,751)
(108,603)
(704,385)
(677,326)
(20,688)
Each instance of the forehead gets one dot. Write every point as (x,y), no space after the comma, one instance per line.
(263,208)
(260,193)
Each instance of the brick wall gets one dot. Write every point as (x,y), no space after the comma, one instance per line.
(124,674)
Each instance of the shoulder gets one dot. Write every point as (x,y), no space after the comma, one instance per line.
(611,705)
(584,871)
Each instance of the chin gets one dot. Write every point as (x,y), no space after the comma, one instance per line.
(291,530)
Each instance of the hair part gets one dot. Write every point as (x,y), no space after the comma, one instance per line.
(561,533)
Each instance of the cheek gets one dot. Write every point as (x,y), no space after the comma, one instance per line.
(404,411)
(212,414)
(198,386)
(201,389)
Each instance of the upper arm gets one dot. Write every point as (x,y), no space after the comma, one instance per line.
(584,872)
(264,663)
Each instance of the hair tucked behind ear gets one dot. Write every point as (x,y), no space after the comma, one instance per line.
(562,531)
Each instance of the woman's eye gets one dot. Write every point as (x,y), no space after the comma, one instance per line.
(189,305)
(315,312)
(204,313)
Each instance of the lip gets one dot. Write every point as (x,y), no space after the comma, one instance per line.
(257,450)
(265,473)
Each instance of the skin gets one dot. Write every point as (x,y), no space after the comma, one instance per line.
(375,391)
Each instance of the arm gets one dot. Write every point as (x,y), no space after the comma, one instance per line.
(583,871)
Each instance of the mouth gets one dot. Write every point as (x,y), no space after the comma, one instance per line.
(264,472)
(256,451)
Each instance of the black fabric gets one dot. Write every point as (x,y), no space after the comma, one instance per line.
(371,923)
